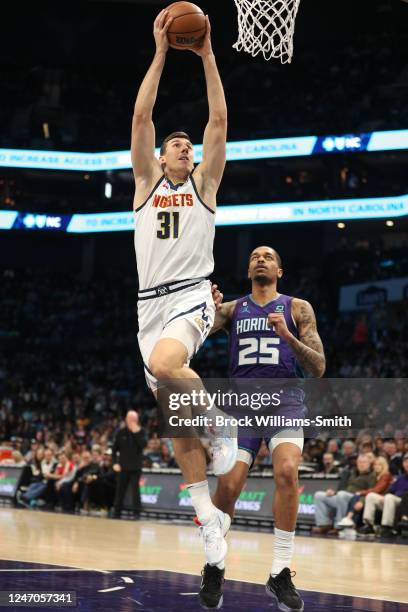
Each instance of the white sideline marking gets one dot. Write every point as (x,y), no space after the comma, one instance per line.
(118,588)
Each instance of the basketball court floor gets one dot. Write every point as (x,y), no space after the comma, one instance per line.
(153,565)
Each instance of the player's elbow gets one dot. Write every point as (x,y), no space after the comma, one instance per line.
(219,120)
(141,115)
(320,368)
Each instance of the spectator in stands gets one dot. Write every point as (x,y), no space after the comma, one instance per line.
(388,502)
(62,469)
(96,453)
(348,450)
(329,465)
(33,478)
(379,444)
(371,457)
(48,464)
(29,456)
(152,454)
(330,502)
(402,513)
(393,456)
(127,462)
(356,503)
(102,484)
(35,464)
(72,489)
(167,458)
(333,448)
(313,453)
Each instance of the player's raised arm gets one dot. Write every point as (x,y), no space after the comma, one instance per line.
(215,135)
(145,165)
(308,349)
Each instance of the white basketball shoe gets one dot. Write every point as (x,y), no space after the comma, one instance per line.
(212,533)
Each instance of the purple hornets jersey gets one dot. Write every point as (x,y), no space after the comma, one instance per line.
(256,350)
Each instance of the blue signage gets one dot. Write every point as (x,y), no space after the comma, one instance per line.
(244,214)
(236,151)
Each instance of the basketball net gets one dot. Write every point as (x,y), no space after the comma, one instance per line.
(267,27)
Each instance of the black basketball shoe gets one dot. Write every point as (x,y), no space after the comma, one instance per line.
(283,591)
(210,594)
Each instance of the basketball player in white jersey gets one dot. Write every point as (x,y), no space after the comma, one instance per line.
(174,237)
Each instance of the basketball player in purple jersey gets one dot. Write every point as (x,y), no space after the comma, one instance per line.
(271,334)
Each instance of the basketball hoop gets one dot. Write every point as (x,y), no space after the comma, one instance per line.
(267,27)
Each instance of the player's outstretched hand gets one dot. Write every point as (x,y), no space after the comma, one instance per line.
(278,322)
(160,27)
(217,296)
(205,47)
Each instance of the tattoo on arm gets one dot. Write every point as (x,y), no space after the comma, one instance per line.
(308,349)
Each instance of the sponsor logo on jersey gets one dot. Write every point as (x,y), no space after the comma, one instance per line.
(245,307)
(175,199)
(162,290)
(280,308)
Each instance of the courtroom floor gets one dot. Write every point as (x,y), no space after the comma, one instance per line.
(153,565)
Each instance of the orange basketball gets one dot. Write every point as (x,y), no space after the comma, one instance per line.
(188,27)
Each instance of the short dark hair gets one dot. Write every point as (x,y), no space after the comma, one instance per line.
(278,257)
(170,137)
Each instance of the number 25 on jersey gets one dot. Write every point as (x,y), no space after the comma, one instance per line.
(258,350)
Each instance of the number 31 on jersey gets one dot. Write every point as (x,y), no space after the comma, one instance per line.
(169,224)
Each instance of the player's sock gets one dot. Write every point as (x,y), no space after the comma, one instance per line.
(284,545)
(200,496)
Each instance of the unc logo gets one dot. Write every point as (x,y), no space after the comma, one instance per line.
(162,290)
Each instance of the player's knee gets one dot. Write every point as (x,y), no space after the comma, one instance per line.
(319,495)
(229,491)
(161,368)
(286,475)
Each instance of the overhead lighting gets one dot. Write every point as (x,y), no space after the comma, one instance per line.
(389,223)
(108,190)
(341,225)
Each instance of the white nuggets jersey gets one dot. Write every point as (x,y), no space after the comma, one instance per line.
(174,235)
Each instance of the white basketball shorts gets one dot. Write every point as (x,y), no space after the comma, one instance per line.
(183,310)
